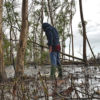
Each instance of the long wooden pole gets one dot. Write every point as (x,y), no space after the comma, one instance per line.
(60,52)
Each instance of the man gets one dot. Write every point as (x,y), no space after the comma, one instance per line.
(54,48)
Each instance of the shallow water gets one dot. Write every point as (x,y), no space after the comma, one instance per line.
(79,74)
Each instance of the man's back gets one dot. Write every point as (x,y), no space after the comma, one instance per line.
(52,34)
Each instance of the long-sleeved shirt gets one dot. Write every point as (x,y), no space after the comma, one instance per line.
(52,35)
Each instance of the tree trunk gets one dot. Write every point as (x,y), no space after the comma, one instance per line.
(72,32)
(72,42)
(10,45)
(90,48)
(50,12)
(23,40)
(69,46)
(63,46)
(84,49)
(3,75)
(63,42)
(84,32)
(41,36)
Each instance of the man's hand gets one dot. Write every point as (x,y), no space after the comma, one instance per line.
(50,49)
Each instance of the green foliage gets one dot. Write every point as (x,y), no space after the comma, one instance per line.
(11,16)
(63,18)
(6,49)
(56,4)
(45,57)
(61,11)
(16,14)
(80,28)
(36,2)
(6,42)
(45,9)
(28,51)
(9,5)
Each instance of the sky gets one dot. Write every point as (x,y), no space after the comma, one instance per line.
(91,12)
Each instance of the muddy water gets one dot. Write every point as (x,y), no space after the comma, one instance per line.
(79,74)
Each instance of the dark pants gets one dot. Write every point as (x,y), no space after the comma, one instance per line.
(54,58)
(55,63)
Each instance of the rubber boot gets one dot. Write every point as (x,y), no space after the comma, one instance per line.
(60,72)
(53,70)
